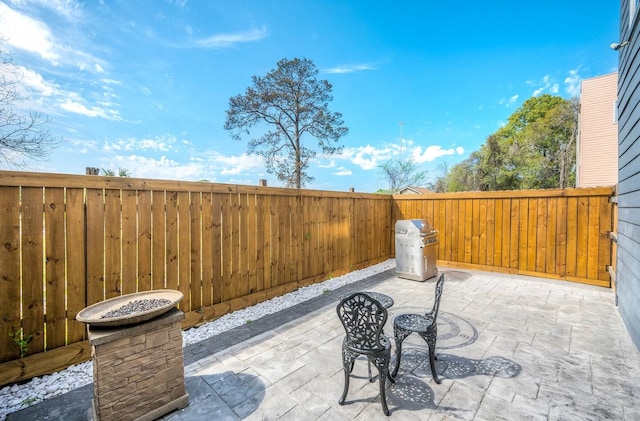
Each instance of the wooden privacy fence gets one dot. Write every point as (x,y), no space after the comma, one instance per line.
(71,241)
(560,234)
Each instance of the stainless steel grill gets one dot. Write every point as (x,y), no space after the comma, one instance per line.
(416,245)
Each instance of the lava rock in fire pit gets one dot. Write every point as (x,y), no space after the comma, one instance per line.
(129,309)
(136,306)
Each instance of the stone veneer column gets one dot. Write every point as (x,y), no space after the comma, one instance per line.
(138,370)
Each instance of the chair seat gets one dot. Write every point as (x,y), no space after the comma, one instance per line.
(384,341)
(414,322)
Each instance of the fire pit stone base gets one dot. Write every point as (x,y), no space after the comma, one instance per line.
(138,370)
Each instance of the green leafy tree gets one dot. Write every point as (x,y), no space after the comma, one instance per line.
(551,141)
(292,105)
(539,130)
(534,150)
(23,137)
(402,173)
(464,175)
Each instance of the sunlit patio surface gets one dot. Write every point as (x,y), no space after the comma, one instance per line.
(509,348)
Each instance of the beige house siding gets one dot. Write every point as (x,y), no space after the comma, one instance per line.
(597,160)
(415,190)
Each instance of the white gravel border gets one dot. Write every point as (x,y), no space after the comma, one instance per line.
(16,397)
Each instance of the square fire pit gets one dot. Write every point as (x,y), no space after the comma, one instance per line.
(138,369)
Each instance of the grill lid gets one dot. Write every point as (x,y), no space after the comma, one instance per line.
(414,228)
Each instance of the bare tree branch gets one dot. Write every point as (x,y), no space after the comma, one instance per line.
(23,136)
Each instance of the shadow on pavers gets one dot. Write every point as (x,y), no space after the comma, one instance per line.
(218,396)
(411,393)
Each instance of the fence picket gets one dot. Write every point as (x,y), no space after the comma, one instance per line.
(33,245)
(112,243)
(158,239)
(143,237)
(208,263)
(195,252)
(55,285)
(10,266)
(95,245)
(76,264)
(129,242)
(184,250)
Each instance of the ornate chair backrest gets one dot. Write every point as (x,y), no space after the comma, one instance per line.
(363,319)
(436,302)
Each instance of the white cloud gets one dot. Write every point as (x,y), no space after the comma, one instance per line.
(366,157)
(573,83)
(433,152)
(81,60)
(164,143)
(82,146)
(32,82)
(162,168)
(201,167)
(242,181)
(349,68)
(342,171)
(329,164)
(69,9)
(232,165)
(48,97)
(229,40)
(546,84)
(509,102)
(24,32)
(78,108)
(27,34)
(369,157)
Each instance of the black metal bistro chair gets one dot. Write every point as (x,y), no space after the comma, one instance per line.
(363,318)
(423,324)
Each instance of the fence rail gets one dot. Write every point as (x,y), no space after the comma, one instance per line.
(560,234)
(71,241)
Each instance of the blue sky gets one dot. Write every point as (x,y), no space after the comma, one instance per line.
(145,85)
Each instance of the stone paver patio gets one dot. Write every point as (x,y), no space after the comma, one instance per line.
(509,348)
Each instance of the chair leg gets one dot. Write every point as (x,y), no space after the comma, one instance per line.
(399,335)
(346,384)
(348,359)
(398,354)
(383,372)
(431,342)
